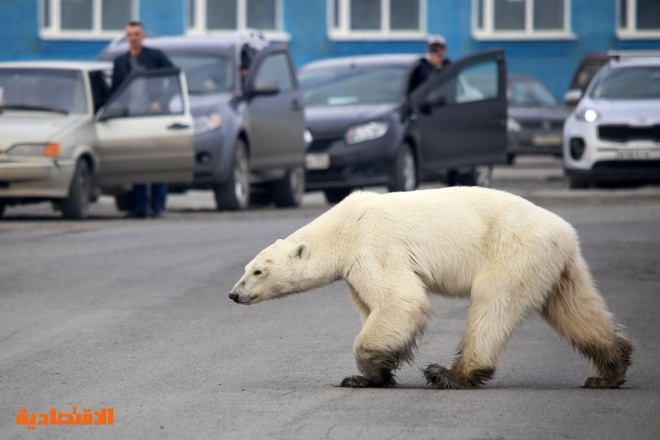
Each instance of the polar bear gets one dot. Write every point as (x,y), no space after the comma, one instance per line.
(509,256)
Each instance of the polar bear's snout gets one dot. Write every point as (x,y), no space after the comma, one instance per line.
(233,297)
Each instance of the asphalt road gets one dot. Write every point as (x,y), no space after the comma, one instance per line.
(134,316)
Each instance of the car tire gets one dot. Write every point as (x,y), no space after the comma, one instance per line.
(289,191)
(76,205)
(123,202)
(3,206)
(404,177)
(336,195)
(510,158)
(481,175)
(234,195)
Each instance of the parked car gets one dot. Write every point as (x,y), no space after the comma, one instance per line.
(536,119)
(60,141)
(613,136)
(369,130)
(249,132)
(589,66)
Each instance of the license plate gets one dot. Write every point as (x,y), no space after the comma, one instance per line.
(544,140)
(317,161)
(637,154)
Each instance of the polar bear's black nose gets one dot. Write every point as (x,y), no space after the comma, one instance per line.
(234,297)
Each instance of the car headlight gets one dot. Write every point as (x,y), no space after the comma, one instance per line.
(206,123)
(307,135)
(513,125)
(587,115)
(43,150)
(365,132)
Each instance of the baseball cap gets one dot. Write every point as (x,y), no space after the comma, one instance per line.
(436,39)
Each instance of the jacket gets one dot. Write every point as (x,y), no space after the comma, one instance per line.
(149,58)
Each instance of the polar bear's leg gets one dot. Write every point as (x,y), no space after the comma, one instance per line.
(578,313)
(398,316)
(491,321)
(361,305)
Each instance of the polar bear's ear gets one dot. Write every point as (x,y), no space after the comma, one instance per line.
(301,251)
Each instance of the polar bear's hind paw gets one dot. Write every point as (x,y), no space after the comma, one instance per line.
(442,378)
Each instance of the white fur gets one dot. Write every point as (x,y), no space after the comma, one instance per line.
(503,252)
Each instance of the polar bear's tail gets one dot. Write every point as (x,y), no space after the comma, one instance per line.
(578,313)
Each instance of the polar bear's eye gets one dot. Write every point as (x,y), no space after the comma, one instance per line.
(257,272)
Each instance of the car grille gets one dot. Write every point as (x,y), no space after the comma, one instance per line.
(543,125)
(329,175)
(624,133)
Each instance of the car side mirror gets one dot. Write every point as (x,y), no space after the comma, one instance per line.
(264,87)
(113,113)
(572,97)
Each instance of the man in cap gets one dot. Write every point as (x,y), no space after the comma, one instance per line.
(436,48)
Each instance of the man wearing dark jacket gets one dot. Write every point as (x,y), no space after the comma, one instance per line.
(434,62)
(137,59)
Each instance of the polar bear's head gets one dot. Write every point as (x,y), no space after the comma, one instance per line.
(277,271)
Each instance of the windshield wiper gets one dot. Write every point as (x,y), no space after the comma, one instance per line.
(33,108)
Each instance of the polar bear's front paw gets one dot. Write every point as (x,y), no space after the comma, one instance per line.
(363,382)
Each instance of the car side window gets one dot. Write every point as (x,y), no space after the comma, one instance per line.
(149,95)
(476,82)
(276,69)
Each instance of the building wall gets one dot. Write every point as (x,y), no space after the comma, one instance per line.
(592,21)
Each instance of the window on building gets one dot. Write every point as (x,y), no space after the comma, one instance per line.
(639,18)
(521,19)
(377,18)
(229,15)
(86,17)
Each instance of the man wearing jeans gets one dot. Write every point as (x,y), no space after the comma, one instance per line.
(139,58)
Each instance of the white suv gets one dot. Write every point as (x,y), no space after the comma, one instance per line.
(613,136)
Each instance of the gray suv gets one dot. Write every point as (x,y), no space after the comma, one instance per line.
(248,117)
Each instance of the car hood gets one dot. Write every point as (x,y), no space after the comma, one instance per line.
(33,127)
(539,113)
(634,112)
(334,120)
(205,104)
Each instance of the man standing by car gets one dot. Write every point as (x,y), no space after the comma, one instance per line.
(140,58)
(435,60)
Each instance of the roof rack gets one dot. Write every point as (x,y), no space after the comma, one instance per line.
(621,54)
(248,34)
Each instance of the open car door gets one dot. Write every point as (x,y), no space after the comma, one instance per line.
(145,131)
(460,113)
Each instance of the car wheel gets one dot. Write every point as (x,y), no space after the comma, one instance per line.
(289,191)
(3,206)
(76,205)
(235,194)
(336,195)
(123,201)
(405,171)
(510,158)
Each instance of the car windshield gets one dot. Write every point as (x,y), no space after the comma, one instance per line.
(352,85)
(206,74)
(529,93)
(628,83)
(55,90)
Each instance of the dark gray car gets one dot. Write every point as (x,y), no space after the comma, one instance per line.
(249,131)
(535,120)
(368,129)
